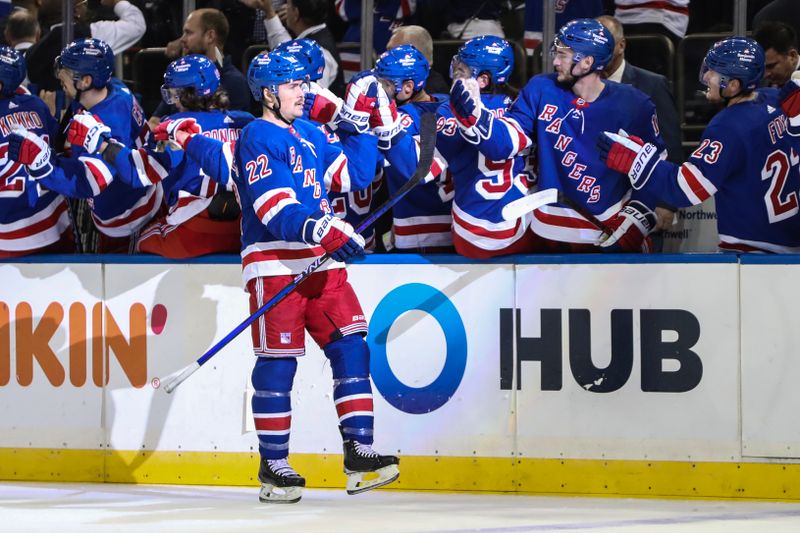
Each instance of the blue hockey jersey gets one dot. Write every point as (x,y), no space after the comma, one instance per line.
(482,186)
(566,129)
(30,219)
(750,164)
(117,208)
(281,176)
(422,218)
(188,190)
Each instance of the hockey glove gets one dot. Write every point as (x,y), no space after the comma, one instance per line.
(32,151)
(790,101)
(466,104)
(320,104)
(88,131)
(628,154)
(336,236)
(386,123)
(179,130)
(359,101)
(629,229)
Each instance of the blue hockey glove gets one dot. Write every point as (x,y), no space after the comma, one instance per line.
(467,107)
(336,236)
(628,154)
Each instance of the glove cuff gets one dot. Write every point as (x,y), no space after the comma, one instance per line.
(315,227)
(641,215)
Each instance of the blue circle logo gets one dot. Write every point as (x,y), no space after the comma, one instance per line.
(417,400)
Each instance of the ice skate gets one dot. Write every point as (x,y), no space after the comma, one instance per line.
(365,469)
(279,482)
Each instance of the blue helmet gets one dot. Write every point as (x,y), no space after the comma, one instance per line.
(91,57)
(587,38)
(403,63)
(735,58)
(309,52)
(489,54)
(269,70)
(194,71)
(12,70)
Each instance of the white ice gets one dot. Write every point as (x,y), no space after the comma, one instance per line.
(67,507)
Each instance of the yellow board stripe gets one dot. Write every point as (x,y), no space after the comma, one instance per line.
(761,481)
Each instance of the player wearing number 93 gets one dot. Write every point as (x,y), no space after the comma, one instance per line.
(283,164)
(483,187)
(747,159)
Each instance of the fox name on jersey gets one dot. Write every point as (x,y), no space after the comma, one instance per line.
(750,163)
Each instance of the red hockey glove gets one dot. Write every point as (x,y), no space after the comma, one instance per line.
(320,104)
(630,228)
(179,130)
(386,123)
(790,100)
(336,236)
(88,131)
(628,154)
(465,102)
(32,151)
(359,101)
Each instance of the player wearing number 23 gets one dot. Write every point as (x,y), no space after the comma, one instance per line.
(747,158)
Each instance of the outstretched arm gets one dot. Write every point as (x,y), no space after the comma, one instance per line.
(498,138)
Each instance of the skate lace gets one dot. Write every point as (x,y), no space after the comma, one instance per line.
(365,450)
(281,467)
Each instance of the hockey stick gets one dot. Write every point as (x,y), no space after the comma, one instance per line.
(582,211)
(531,202)
(534,201)
(427,145)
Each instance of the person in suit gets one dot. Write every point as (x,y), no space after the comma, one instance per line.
(785,11)
(657,87)
(782,57)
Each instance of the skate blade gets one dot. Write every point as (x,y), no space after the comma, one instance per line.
(358,482)
(272,494)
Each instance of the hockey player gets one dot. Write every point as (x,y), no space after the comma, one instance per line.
(483,187)
(422,220)
(746,159)
(352,205)
(119,211)
(563,113)
(203,217)
(31,221)
(281,165)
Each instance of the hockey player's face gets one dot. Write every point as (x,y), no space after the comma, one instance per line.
(388,86)
(459,70)
(66,77)
(712,80)
(562,64)
(291,96)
